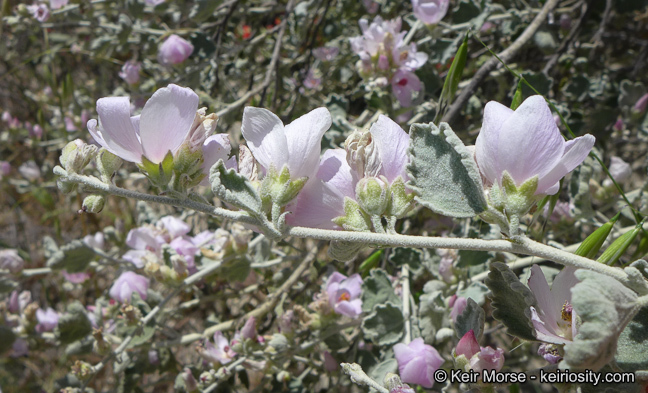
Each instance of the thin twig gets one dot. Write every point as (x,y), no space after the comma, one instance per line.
(568,40)
(492,63)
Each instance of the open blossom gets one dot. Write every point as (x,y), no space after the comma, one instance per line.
(380,153)
(130,72)
(555,319)
(56,4)
(39,11)
(384,55)
(47,320)
(430,12)
(526,143)
(128,283)
(417,362)
(619,169)
(480,358)
(174,50)
(218,352)
(162,127)
(344,294)
(10,260)
(296,145)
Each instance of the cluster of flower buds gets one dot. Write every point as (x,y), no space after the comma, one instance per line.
(385,58)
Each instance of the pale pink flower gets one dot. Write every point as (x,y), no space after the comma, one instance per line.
(36,131)
(130,72)
(371,6)
(330,364)
(526,143)
(30,170)
(40,12)
(153,3)
(5,168)
(322,199)
(417,362)
(312,81)
(128,283)
(217,147)
(404,83)
(218,352)
(20,348)
(56,4)
(458,305)
(641,104)
(10,260)
(95,241)
(76,278)
(174,50)
(296,145)
(47,320)
(174,226)
(480,358)
(430,12)
(249,329)
(162,127)
(69,124)
(619,169)
(344,294)
(555,319)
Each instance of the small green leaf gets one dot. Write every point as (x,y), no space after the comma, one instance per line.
(74,324)
(385,325)
(605,307)
(432,312)
(235,189)
(443,172)
(453,78)
(377,289)
(511,301)
(410,256)
(517,97)
(619,246)
(592,244)
(74,257)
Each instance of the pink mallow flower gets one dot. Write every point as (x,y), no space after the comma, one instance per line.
(382,155)
(130,72)
(56,4)
(417,362)
(76,278)
(39,11)
(47,320)
(163,125)
(217,147)
(526,143)
(326,53)
(129,282)
(344,294)
(555,319)
(404,83)
(221,352)
(296,145)
(619,169)
(479,358)
(174,50)
(10,260)
(641,104)
(430,12)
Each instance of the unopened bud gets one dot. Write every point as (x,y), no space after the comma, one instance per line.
(401,200)
(100,345)
(93,204)
(362,154)
(283,376)
(279,188)
(191,384)
(372,195)
(131,314)
(354,218)
(76,155)
(81,370)
(107,164)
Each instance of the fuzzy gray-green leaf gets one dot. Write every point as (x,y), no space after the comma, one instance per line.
(377,289)
(233,188)
(385,325)
(632,349)
(443,172)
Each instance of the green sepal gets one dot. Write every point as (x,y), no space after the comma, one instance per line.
(278,188)
(107,164)
(519,199)
(159,174)
(187,161)
(354,219)
(401,201)
(619,246)
(593,243)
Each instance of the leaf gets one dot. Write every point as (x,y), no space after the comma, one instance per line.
(7,338)
(511,301)
(385,325)
(7,284)
(473,258)
(74,257)
(73,325)
(632,349)
(380,370)
(432,312)
(377,289)
(235,189)
(605,307)
(443,172)
(472,318)
(476,291)
(410,256)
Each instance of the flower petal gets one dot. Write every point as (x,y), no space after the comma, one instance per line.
(576,150)
(264,133)
(117,130)
(166,119)
(487,144)
(546,303)
(392,143)
(545,332)
(304,141)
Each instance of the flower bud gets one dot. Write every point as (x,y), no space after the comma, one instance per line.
(76,155)
(10,260)
(278,188)
(354,218)
(174,50)
(362,154)
(641,104)
(130,72)
(202,128)
(372,195)
(107,164)
(93,204)
(401,200)
(190,382)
